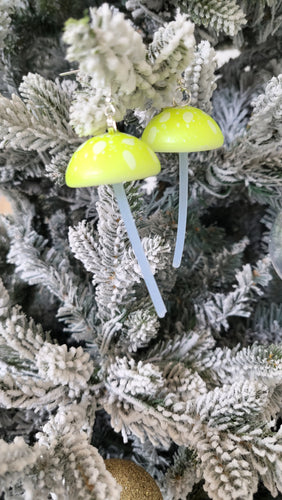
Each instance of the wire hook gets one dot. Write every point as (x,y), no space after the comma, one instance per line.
(109,112)
(186,94)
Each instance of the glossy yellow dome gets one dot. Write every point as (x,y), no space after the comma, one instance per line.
(109,159)
(182,129)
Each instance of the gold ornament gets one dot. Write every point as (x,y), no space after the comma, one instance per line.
(137,484)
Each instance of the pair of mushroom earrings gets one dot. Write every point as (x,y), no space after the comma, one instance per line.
(116,157)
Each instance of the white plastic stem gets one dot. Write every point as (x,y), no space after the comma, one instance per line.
(138,250)
(182,209)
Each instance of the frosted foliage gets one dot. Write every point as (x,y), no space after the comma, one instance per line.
(16,166)
(214,410)
(266,459)
(170,52)
(44,375)
(49,270)
(170,419)
(177,488)
(220,15)
(264,16)
(16,456)
(51,97)
(83,470)
(110,65)
(4,301)
(145,380)
(230,471)
(84,245)
(111,58)
(259,148)
(122,68)
(189,385)
(186,345)
(228,458)
(226,446)
(226,471)
(5,21)
(134,378)
(140,8)
(223,263)
(56,169)
(61,465)
(157,251)
(254,157)
(21,334)
(199,77)
(72,367)
(23,128)
(231,112)
(17,462)
(142,326)
(104,262)
(112,261)
(262,363)
(88,111)
(21,392)
(182,475)
(267,324)
(6,8)
(267,115)
(20,338)
(220,306)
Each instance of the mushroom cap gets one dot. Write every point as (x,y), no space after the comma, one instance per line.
(182,129)
(109,159)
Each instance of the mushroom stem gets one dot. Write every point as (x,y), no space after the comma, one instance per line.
(138,250)
(182,209)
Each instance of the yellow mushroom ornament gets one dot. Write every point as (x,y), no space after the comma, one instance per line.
(182,130)
(114,158)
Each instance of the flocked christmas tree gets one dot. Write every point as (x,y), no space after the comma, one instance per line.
(88,370)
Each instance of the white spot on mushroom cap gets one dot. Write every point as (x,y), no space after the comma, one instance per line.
(86,155)
(99,147)
(152,134)
(187,116)
(212,126)
(165,117)
(129,159)
(129,141)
